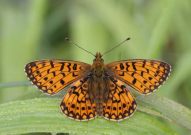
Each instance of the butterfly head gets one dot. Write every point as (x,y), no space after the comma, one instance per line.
(98,59)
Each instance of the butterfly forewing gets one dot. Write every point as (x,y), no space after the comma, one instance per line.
(77,104)
(51,76)
(143,75)
(120,103)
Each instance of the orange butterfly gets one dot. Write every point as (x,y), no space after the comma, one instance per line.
(98,89)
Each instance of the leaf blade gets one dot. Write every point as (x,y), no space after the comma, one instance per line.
(42,115)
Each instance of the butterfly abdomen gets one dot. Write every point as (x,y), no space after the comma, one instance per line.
(97,93)
(99,108)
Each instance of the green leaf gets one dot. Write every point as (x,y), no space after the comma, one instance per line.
(44,115)
(168,109)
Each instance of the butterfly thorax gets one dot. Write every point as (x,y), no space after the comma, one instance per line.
(98,65)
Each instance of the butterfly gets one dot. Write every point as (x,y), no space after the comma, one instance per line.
(98,89)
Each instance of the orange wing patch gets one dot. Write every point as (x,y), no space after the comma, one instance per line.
(77,103)
(143,75)
(120,104)
(51,76)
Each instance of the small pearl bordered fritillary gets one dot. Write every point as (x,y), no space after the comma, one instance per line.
(98,89)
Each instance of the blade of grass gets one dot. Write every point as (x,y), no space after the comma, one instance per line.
(43,115)
(14,84)
(170,109)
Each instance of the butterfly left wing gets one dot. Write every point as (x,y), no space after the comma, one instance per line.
(145,76)
(120,104)
(51,76)
(77,104)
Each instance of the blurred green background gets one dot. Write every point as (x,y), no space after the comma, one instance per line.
(35,29)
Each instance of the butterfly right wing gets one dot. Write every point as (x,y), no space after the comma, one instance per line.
(51,76)
(77,104)
(145,76)
(120,104)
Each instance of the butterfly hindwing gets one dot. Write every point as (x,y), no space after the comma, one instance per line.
(77,104)
(51,76)
(143,75)
(120,103)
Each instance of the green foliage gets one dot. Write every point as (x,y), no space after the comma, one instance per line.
(43,115)
(35,29)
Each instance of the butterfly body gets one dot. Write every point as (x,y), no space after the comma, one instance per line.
(98,89)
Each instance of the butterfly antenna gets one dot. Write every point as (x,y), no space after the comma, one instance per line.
(116,46)
(73,43)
